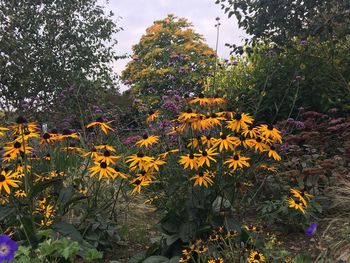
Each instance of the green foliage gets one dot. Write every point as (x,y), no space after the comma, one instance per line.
(53,47)
(273,83)
(169,56)
(280,21)
(56,250)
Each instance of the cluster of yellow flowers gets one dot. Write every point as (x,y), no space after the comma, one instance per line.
(299,201)
(215,134)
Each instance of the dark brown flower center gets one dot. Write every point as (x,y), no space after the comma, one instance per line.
(21,120)
(257,257)
(46,136)
(17,145)
(201,174)
(236,157)
(145,137)
(270,127)
(103,165)
(258,139)
(140,155)
(106,153)
(223,136)
(238,117)
(201,96)
(2,178)
(272,148)
(204,153)
(99,119)
(189,110)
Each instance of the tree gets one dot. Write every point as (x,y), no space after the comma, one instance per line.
(50,46)
(170,56)
(282,20)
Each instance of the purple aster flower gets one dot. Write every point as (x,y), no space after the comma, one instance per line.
(8,248)
(303,42)
(310,231)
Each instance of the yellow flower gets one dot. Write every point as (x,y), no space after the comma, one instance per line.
(83,190)
(188,116)
(201,100)
(138,184)
(205,156)
(152,115)
(203,178)
(297,205)
(184,259)
(217,260)
(269,132)
(20,193)
(226,142)
(255,257)
(214,237)
(138,160)
(189,160)
(48,138)
(103,170)
(104,126)
(6,180)
(194,142)
(67,134)
(258,144)
(272,153)
(208,140)
(147,141)
(240,121)
(105,147)
(250,131)
(237,161)
(107,157)
(15,148)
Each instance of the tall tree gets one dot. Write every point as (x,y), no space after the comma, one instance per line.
(50,46)
(281,20)
(170,56)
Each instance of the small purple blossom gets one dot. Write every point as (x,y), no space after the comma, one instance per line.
(300,125)
(310,231)
(8,248)
(303,42)
(290,120)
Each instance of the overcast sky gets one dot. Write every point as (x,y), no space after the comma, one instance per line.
(137,15)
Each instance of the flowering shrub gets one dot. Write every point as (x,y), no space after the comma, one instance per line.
(204,169)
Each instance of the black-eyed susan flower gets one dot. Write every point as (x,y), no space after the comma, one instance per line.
(226,142)
(255,257)
(189,160)
(206,156)
(103,171)
(147,140)
(103,125)
(250,131)
(188,116)
(258,144)
(208,140)
(268,131)
(272,153)
(48,138)
(201,100)
(193,143)
(106,147)
(216,260)
(184,258)
(201,248)
(138,184)
(4,199)
(298,205)
(7,180)
(152,115)
(240,121)
(237,161)
(93,153)
(214,237)
(138,160)
(107,157)
(67,134)
(20,193)
(203,178)
(15,148)
(153,165)
(231,234)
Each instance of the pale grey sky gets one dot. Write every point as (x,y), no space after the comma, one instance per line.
(137,15)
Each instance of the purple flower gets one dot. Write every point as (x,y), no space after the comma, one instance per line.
(8,248)
(300,125)
(310,231)
(303,42)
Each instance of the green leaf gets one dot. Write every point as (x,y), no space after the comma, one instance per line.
(138,258)
(67,230)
